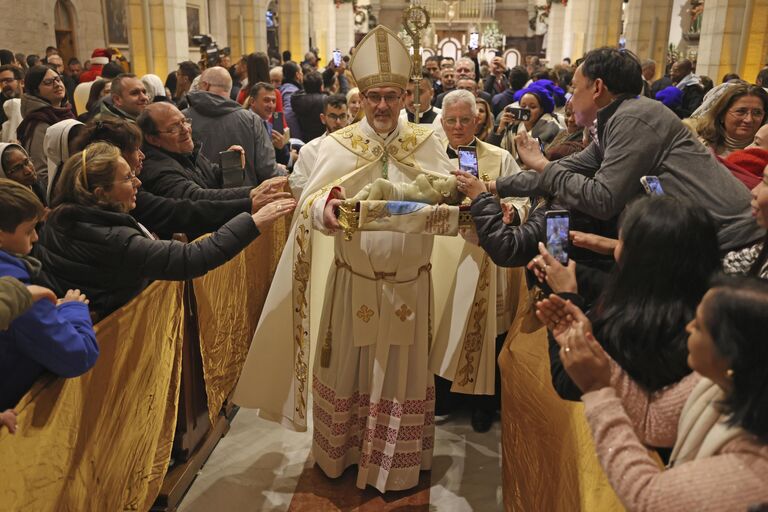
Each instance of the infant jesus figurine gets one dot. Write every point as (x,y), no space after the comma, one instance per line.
(421,190)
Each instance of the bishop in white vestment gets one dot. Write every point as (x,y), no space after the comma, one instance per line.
(373,394)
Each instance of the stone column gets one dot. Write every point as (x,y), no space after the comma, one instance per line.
(294,27)
(731,40)
(575,32)
(555,34)
(176,35)
(647,28)
(604,24)
(324,28)
(345,27)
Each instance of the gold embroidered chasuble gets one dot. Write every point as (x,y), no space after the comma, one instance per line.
(275,378)
(474,302)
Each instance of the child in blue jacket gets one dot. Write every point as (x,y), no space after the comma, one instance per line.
(57,338)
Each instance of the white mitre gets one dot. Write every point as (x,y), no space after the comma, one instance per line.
(381,60)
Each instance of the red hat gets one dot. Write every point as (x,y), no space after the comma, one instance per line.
(100,56)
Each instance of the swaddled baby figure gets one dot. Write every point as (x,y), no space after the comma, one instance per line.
(420,190)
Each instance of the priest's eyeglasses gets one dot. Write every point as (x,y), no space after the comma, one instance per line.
(463,121)
(375,99)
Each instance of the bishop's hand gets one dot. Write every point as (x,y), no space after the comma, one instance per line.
(330,219)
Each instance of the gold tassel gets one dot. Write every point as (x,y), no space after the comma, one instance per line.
(325,354)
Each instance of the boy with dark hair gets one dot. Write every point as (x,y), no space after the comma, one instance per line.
(49,337)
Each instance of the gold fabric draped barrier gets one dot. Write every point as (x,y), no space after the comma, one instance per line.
(548,458)
(102,441)
(229,303)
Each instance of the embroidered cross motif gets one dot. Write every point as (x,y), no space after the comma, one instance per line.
(403,313)
(364,313)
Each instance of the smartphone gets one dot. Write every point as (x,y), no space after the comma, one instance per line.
(652,185)
(519,114)
(337,57)
(474,41)
(233,174)
(278,123)
(468,159)
(558,225)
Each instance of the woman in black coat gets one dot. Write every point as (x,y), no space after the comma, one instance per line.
(91,242)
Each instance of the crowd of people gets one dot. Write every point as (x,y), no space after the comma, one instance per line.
(655,320)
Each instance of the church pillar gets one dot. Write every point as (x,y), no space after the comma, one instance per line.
(647,29)
(603,24)
(345,27)
(176,35)
(555,34)
(324,30)
(148,30)
(294,27)
(575,32)
(733,38)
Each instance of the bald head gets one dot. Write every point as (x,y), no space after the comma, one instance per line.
(680,70)
(164,126)
(216,80)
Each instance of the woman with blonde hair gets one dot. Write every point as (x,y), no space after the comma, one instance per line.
(354,104)
(91,239)
(734,117)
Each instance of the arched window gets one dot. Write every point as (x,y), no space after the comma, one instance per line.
(450,47)
(64,21)
(512,58)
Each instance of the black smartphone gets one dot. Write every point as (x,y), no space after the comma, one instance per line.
(468,159)
(337,57)
(277,122)
(232,171)
(652,185)
(558,225)
(519,114)
(474,41)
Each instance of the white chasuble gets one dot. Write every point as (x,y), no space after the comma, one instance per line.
(473,301)
(373,395)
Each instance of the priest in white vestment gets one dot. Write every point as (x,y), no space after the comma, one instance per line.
(472,323)
(373,394)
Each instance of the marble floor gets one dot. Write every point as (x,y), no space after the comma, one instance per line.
(262,466)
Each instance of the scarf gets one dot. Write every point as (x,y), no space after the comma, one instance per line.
(49,115)
(689,79)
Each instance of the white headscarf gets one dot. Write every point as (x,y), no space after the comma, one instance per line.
(711,97)
(154,86)
(3,147)
(56,149)
(12,110)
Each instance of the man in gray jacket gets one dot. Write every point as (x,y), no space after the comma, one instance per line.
(218,123)
(633,136)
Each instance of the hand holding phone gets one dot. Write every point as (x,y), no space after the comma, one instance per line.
(519,114)
(558,224)
(474,41)
(652,185)
(278,124)
(337,57)
(232,170)
(468,160)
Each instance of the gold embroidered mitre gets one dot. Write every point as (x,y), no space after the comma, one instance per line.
(380,60)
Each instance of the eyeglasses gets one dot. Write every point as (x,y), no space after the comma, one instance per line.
(178,128)
(339,117)
(463,121)
(375,99)
(4,81)
(50,81)
(741,113)
(131,178)
(21,166)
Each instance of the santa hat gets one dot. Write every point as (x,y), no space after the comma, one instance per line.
(100,56)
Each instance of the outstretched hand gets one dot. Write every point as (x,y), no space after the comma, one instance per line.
(546,268)
(595,243)
(529,151)
(584,359)
(268,192)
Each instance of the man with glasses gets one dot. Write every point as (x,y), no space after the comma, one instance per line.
(459,119)
(174,166)
(373,390)
(11,86)
(218,123)
(334,117)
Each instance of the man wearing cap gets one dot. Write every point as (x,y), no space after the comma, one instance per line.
(373,401)
(99,58)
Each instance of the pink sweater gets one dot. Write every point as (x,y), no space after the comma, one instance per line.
(734,479)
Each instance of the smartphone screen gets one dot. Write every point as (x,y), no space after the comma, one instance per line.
(337,58)
(519,114)
(468,159)
(558,223)
(277,122)
(652,185)
(474,40)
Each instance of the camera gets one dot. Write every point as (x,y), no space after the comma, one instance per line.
(210,53)
(519,114)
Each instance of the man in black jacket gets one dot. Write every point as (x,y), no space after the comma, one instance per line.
(308,105)
(174,166)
